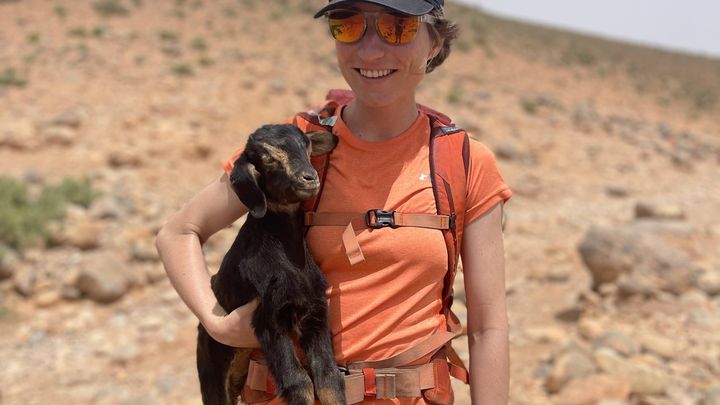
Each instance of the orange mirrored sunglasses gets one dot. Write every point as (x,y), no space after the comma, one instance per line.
(349,26)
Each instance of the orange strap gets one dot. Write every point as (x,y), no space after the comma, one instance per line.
(371,219)
(369,378)
(430,345)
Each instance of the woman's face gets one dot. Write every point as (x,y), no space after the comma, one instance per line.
(379,73)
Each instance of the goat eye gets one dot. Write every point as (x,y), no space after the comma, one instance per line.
(267,160)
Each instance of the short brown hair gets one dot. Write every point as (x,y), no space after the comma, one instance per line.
(441,30)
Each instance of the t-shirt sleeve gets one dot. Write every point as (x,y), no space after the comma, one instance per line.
(485,184)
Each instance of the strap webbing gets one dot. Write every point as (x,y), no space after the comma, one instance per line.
(356,220)
(430,345)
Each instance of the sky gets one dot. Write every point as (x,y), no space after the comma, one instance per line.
(688,25)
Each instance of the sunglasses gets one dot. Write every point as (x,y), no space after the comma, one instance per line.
(349,26)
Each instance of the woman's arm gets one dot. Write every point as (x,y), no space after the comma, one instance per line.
(483,258)
(179,243)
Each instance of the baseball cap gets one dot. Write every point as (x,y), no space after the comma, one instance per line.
(411,7)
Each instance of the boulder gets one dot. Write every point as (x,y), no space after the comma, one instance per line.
(638,261)
(102,277)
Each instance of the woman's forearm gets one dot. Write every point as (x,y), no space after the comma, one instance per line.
(182,256)
(489,367)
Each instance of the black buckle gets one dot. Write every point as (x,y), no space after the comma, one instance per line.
(344,370)
(383,219)
(451,221)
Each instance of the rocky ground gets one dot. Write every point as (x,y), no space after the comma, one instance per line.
(613,271)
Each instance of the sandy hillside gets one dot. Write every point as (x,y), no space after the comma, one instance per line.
(613,153)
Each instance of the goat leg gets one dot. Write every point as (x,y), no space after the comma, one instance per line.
(292,380)
(316,342)
(213,362)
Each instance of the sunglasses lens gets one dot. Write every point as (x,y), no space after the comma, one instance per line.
(397,28)
(346,26)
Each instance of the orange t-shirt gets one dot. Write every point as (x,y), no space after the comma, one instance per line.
(382,306)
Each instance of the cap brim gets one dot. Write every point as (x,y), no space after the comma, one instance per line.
(403,6)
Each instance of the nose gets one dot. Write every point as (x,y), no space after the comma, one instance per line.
(371,46)
(309,177)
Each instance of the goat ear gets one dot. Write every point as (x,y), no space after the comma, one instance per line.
(322,142)
(244,179)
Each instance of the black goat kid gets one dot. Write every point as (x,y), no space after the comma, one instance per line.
(270,261)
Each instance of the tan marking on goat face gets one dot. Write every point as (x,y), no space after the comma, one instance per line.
(328,396)
(277,154)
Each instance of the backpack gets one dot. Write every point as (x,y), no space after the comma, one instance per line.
(449,159)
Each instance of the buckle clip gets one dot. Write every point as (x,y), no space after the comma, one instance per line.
(382,219)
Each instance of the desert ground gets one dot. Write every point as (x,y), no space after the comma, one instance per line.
(612,152)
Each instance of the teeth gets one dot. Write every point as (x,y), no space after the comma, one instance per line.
(375,73)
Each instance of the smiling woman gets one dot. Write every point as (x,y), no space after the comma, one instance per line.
(404,195)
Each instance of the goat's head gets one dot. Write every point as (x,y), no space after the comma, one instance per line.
(274,170)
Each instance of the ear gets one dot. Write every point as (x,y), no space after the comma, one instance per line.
(322,142)
(244,181)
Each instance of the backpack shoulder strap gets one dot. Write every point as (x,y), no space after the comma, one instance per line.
(322,120)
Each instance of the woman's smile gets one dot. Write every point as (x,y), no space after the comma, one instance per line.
(375,73)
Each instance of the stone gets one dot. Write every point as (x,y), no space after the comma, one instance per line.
(618,342)
(646,261)
(47,299)
(71,118)
(85,234)
(657,210)
(9,261)
(593,389)
(102,278)
(709,282)
(58,135)
(25,279)
(590,328)
(643,379)
(123,158)
(569,365)
(658,344)
(712,396)
(18,133)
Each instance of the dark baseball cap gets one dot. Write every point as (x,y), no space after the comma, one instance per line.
(411,7)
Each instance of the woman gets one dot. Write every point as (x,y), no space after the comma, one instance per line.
(391,300)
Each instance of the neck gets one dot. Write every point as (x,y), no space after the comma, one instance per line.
(376,124)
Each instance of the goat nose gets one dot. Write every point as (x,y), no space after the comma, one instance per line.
(309,176)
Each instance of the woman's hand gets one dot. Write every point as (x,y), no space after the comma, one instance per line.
(233,329)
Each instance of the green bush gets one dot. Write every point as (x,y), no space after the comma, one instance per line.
(10,77)
(23,219)
(110,8)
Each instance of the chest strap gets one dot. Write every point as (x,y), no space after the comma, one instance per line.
(374,219)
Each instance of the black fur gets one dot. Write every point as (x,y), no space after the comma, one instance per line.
(269,260)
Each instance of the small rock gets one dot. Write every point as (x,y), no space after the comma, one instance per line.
(123,158)
(643,379)
(645,209)
(85,234)
(709,282)
(616,191)
(24,279)
(106,207)
(508,150)
(18,133)
(655,343)
(590,328)
(568,366)
(619,342)
(593,389)
(48,298)
(8,262)
(143,250)
(102,278)
(71,118)
(58,135)
(546,334)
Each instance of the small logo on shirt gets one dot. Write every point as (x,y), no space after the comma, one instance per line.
(424,177)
